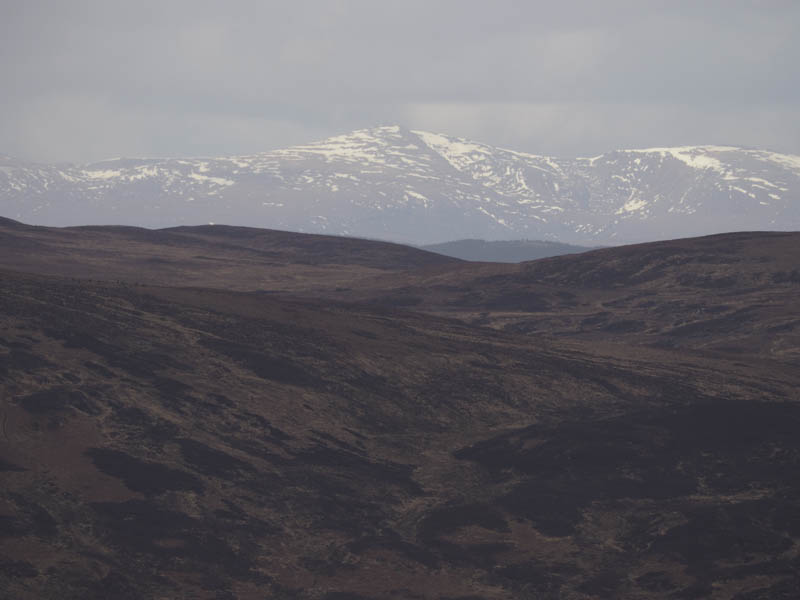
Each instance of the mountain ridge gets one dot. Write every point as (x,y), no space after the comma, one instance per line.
(419,187)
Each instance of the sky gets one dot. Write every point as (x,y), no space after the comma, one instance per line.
(84,80)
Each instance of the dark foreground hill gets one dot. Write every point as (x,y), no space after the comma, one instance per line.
(181,442)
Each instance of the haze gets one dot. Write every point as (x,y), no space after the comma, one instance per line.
(84,81)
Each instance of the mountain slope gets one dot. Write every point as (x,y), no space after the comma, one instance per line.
(421,187)
(240,258)
(338,441)
(185,443)
(732,293)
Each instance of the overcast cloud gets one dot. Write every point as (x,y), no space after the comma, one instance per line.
(88,80)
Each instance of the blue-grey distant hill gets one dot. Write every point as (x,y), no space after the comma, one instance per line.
(417,187)
(507,251)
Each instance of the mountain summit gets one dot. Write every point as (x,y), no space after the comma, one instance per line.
(421,187)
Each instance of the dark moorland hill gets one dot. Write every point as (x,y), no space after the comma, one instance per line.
(734,293)
(337,443)
(240,258)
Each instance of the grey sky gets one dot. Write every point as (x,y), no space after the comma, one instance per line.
(88,80)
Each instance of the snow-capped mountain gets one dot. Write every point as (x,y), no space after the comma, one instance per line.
(420,187)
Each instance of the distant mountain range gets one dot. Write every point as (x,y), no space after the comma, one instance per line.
(421,188)
(508,251)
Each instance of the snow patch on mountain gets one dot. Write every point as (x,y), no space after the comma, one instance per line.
(105,174)
(697,157)
(417,186)
(211,180)
(458,152)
